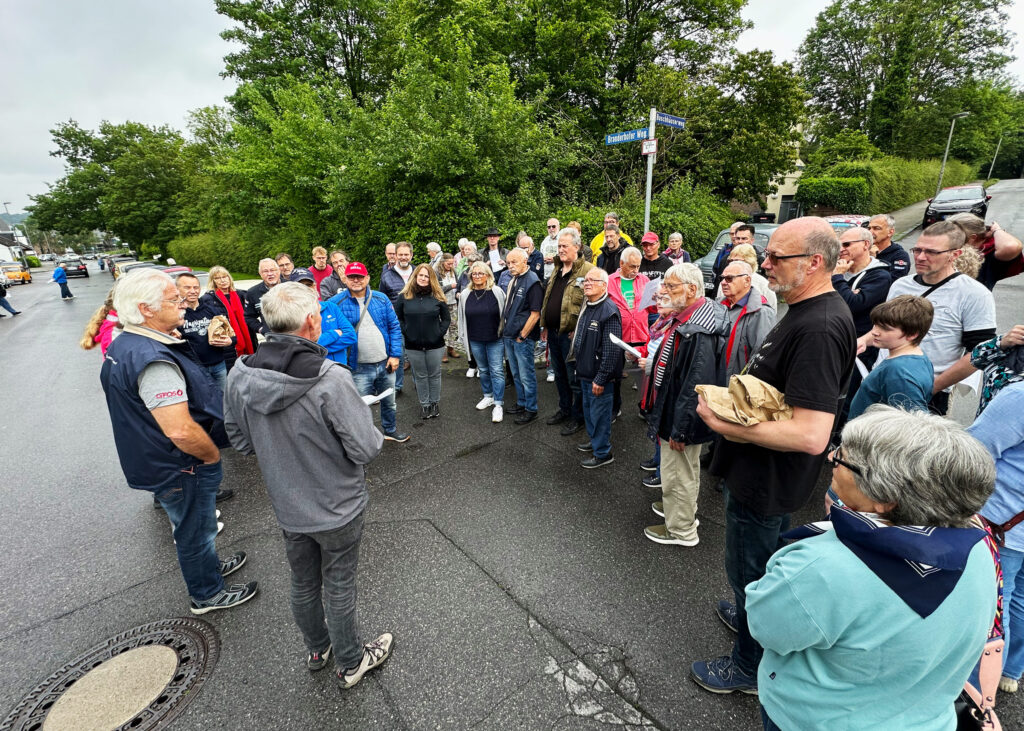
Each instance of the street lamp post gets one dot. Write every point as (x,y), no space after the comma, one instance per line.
(998,145)
(942,170)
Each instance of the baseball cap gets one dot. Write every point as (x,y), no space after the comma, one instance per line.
(301,274)
(650,237)
(356,268)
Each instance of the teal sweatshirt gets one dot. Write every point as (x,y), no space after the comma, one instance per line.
(842,651)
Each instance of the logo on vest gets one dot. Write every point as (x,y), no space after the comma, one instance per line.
(170,394)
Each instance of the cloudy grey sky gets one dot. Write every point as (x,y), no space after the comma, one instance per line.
(152,62)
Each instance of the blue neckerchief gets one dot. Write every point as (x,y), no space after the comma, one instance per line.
(921,565)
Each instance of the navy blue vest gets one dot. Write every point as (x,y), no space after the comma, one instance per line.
(516,311)
(149,460)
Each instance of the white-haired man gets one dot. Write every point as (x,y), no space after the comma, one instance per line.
(167,417)
(750,317)
(435,254)
(549,248)
(302,416)
(270,274)
(887,251)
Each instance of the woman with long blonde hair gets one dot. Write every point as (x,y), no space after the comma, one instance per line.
(221,283)
(101,328)
(423,314)
(480,308)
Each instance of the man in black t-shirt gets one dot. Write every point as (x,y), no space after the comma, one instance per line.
(808,356)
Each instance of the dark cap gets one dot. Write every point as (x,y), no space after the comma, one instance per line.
(301,274)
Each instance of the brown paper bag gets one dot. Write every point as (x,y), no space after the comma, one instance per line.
(220,327)
(747,401)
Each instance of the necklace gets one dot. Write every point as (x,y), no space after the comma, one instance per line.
(478,294)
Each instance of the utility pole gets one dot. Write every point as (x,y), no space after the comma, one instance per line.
(942,170)
(998,145)
(650,173)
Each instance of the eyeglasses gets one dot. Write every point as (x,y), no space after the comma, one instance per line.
(929,252)
(478,274)
(835,460)
(672,287)
(552,226)
(728,278)
(776,258)
(592,281)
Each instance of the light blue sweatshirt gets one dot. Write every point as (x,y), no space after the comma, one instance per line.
(842,651)
(1000,427)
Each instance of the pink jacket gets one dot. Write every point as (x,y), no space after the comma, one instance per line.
(634,321)
(106,333)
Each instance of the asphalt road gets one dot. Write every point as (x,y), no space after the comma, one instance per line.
(519,587)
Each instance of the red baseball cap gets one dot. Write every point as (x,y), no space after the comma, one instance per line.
(651,237)
(357,269)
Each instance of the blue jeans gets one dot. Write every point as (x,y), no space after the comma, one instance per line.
(65,292)
(7,305)
(750,540)
(524,372)
(400,373)
(657,457)
(190,504)
(1013,611)
(570,400)
(371,379)
(219,374)
(323,568)
(491,365)
(597,414)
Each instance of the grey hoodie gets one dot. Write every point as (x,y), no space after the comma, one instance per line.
(301,415)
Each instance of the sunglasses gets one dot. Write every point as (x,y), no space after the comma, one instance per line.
(730,277)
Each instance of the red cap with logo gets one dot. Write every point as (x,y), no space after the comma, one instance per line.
(650,238)
(356,269)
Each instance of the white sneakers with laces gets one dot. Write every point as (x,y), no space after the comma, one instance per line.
(498,414)
(485,403)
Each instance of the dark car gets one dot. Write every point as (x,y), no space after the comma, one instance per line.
(74,267)
(762,232)
(960,199)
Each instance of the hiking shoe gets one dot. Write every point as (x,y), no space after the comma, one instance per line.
(526,417)
(232,564)
(658,508)
(397,436)
(230,596)
(497,414)
(571,428)
(650,465)
(318,660)
(660,534)
(726,612)
(485,403)
(374,654)
(591,462)
(722,676)
(652,481)
(225,494)
(556,418)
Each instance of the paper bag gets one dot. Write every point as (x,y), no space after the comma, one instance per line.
(219,327)
(747,401)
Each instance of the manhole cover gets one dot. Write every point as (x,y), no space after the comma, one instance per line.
(140,679)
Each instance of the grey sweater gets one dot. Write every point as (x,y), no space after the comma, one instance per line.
(301,415)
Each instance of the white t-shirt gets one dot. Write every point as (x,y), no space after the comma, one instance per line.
(404,273)
(495,258)
(549,250)
(961,305)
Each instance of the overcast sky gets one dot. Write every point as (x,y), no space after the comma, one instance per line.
(152,62)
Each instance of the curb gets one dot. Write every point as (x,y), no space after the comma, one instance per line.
(905,234)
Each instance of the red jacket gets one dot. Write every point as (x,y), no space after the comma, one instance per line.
(634,321)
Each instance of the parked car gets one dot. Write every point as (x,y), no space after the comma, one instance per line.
(74,267)
(762,232)
(47,257)
(959,199)
(115,263)
(127,266)
(840,224)
(16,273)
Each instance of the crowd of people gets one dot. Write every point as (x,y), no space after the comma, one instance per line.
(863,357)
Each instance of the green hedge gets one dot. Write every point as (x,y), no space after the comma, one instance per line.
(848,195)
(33,261)
(237,249)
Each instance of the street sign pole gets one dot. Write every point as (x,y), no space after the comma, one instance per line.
(650,174)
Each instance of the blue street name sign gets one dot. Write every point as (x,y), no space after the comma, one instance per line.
(631,135)
(669,121)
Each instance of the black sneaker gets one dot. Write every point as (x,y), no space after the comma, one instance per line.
(318,660)
(585,447)
(514,409)
(557,418)
(726,612)
(374,655)
(225,494)
(571,428)
(591,462)
(435,411)
(397,436)
(230,596)
(525,418)
(650,465)
(426,412)
(232,564)
(652,481)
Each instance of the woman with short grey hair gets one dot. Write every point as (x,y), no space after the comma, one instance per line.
(876,618)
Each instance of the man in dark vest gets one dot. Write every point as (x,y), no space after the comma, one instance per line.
(167,417)
(520,329)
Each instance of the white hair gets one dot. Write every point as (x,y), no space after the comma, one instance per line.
(630,252)
(144,286)
(601,274)
(434,246)
(286,306)
(889,220)
(744,267)
(687,274)
(862,234)
(573,234)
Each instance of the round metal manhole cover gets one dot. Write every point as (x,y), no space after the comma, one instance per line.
(140,679)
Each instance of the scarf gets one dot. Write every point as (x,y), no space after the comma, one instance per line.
(667,328)
(920,565)
(236,316)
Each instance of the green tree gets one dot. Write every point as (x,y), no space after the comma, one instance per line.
(845,146)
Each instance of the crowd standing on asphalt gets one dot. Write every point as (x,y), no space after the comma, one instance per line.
(862,361)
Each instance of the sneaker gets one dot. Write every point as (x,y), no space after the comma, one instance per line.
(660,534)
(726,612)
(471,373)
(722,676)
(592,462)
(225,494)
(571,428)
(652,481)
(526,417)
(550,378)
(426,412)
(232,564)
(220,527)
(216,514)
(658,508)
(374,654)
(485,403)
(397,436)
(556,418)
(497,414)
(230,596)
(585,447)
(435,410)
(1008,685)
(514,409)
(318,660)
(650,465)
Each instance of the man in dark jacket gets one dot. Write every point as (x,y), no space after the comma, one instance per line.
(690,354)
(883,228)
(198,314)
(608,259)
(750,317)
(598,365)
(302,416)
(520,330)
(270,273)
(336,282)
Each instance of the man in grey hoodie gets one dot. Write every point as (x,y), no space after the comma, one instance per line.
(303,417)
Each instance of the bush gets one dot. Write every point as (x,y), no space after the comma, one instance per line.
(239,250)
(847,195)
(33,261)
(897,182)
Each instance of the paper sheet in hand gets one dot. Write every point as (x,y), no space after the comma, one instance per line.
(370,400)
(625,346)
(649,292)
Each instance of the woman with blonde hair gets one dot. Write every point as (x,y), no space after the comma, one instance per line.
(747,253)
(101,328)
(221,283)
(999,252)
(480,308)
(449,281)
(423,314)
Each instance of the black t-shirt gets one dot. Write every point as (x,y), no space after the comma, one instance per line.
(482,316)
(534,301)
(656,268)
(553,312)
(808,356)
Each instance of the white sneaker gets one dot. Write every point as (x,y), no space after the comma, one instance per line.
(551,378)
(220,527)
(498,414)
(218,515)
(470,372)
(374,655)
(485,403)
